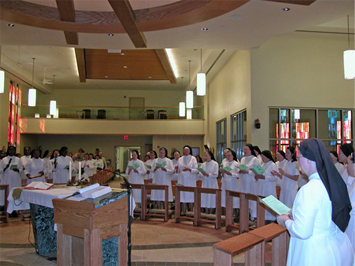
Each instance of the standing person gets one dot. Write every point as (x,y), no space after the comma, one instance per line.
(209,180)
(199,163)
(340,167)
(162,176)
(136,175)
(103,159)
(47,164)
(258,154)
(87,166)
(35,167)
(175,175)
(187,176)
(281,161)
(62,168)
(148,165)
(350,231)
(98,163)
(320,212)
(25,159)
(75,169)
(225,155)
(289,175)
(54,159)
(230,179)
(266,183)
(345,152)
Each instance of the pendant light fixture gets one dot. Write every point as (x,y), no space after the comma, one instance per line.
(31,100)
(2,81)
(349,59)
(189,114)
(201,81)
(181,108)
(53,103)
(189,94)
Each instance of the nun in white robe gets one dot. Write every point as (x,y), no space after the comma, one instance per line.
(281,161)
(162,176)
(62,169)
(187,165)
(319,218)
(11,168)
(230,180)
(25,159)
(350,231)
(136,176)
(148,166)
(35,167)
(87,165)
(175,175)
(209,179)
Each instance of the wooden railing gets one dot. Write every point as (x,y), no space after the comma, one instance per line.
(102,177)
(253,244)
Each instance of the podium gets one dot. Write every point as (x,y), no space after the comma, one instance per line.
(92,232)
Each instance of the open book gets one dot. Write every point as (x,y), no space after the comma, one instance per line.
(227,169)
(201,170)
(39,185)
(133,167)
(92,192)
(161,165)
(243,167)
(258,170)
(275,205)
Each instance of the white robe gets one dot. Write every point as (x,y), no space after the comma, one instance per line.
(175,175)
(62,170)
(266,187)
(34,166)
(136,178)
(151,174)
(48,166)
(350,231)
(24,161)
(88,167)
(231,182)
(210,181)
(162,178)
(97,164)
(10,177)
(348,180)
(280,165)
(248,180)
(187,178)
(315,238)
(289,187)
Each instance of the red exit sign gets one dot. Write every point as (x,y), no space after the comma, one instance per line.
(125,136)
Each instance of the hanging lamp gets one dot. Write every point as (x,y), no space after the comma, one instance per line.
(32,92)
(201,81)
(349,59)
(2,81)
(53,103)
(181,108)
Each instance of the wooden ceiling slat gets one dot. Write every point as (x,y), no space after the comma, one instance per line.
(66,12)
(164,60)
(125,14)
(71,37)
(80,61)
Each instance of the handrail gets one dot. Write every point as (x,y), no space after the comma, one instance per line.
(99,106)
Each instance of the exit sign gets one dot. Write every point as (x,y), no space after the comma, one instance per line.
(125,136)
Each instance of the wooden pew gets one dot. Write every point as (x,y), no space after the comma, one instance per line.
(137,186)
(147,188)
(178,216)
(251,245)
(244,198)
(280,240)
(5,216)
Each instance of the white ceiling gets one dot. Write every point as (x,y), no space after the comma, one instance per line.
(244,28)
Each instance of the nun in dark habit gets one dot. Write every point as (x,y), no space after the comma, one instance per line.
(320,213)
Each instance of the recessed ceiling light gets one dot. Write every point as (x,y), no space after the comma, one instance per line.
(286,9)
(122,53)
(124,66)
(106,77)
(204,29)
(111,34)
(11,25)
(150,77)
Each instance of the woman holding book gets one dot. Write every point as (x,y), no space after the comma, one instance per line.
(47,164)
(163,169)
(11,168)
(209,173)
(54,158)
(320,213)
(148,165)
(187,165)
(266,181)
(288,174)
(62,169)
(136,171)
(230,178)
(175,175)
(35,170)
(87,165)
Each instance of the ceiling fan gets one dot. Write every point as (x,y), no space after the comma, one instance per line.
(46,81)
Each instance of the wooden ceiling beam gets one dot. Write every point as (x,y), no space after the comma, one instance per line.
(67,13)
(80,62)
(125,14)
(164,60)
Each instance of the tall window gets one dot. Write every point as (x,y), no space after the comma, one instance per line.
(238,133)
(13,134)
(221,138)
(291,126)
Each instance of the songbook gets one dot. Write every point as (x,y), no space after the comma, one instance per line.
(13,166)
(227,169)
(258,170)
(161,165)
(39,185)
(148,166)
(134,166)
(275,205)
(66,167)
(243,167)
(91,192)
(199,164)
(201,170)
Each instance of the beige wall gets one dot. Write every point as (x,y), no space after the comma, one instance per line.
(228,93)
(297,70)
(177,142)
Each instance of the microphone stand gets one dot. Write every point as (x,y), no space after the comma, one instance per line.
(129,191)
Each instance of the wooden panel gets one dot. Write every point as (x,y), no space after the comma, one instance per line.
(126,16)
(64,247)
(141,64)
(80,62)
(71,37)
(67,13)
(92,248)
(164,60)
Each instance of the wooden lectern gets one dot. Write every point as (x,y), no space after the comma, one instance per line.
(83,226)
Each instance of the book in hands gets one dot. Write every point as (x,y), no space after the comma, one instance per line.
(66,167)
(227,169)
(134,166)
(201,170)
(243,167)
(13,166)
(258,170)
(275,205)
(161,165)
(148,166)
(39,185)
